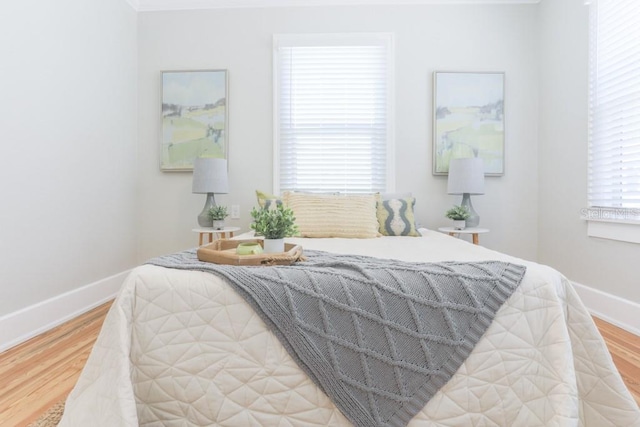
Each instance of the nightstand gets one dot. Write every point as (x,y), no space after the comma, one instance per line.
(220,234)
(473,231)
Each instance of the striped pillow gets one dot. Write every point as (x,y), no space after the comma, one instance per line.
(328,215)
(396,217)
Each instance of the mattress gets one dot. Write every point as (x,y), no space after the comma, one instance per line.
(182,348)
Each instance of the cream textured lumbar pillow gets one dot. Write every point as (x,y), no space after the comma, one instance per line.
(327,215)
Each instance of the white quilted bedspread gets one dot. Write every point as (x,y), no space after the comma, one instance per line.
(181,348)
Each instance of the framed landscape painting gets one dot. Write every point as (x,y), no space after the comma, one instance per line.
(468,119)
(194,117)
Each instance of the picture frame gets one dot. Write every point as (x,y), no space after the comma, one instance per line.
(468,119)
(194,117)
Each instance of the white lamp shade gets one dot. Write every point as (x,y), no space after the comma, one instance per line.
(210,176)
(466,176)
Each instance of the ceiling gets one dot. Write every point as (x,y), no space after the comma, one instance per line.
(151,5)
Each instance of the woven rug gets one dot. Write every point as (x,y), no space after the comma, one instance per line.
(51,418)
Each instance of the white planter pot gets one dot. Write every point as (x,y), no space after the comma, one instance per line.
(218,224)
(459,224)
(273,246)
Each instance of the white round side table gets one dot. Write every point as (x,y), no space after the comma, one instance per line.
(473,231)
(210,231)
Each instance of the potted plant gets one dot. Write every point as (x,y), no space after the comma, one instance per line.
(274,224)
(217,215)
(458,214)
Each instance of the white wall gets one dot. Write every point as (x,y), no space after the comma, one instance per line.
(70,214)
(68,114)
(428,38)
(607,265)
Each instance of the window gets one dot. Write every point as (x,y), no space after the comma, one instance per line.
(614,120)
(333,113)
(614,108)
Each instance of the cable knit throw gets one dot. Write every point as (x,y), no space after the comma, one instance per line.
(379,337)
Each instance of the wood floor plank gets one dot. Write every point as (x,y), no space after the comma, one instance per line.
(42,371)
(42,362)
(625,352)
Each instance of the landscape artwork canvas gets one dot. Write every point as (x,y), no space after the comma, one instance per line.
(194,117)
(468,119)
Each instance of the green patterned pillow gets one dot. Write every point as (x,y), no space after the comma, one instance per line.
(266,200)
(396,218)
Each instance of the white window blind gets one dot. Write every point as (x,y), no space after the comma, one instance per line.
(333,104)
(614,104)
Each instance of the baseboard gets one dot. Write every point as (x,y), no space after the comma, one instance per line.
(618,311)
(24,324)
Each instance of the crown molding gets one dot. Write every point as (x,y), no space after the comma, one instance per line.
(156,5)
(135,4)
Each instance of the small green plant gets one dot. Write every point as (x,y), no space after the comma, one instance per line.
(218,213)
(274,223)
(458,213)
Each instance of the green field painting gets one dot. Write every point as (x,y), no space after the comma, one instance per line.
(469,120)
(194,117)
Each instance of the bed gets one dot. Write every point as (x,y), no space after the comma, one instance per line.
(182,348)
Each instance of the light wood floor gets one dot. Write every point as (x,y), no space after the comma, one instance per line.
(42,371)
(37,374)
(625,352)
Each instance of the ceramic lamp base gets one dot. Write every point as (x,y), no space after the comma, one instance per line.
(474,218)
(203,219)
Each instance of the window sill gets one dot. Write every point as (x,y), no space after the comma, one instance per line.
(623,230)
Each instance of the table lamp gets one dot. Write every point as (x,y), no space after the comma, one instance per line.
(209,177)
(466,177)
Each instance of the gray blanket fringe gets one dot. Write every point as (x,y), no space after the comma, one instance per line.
(379,337)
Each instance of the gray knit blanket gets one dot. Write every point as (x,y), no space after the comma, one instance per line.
(379,337)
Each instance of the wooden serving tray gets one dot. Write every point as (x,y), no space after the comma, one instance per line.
(223,251)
